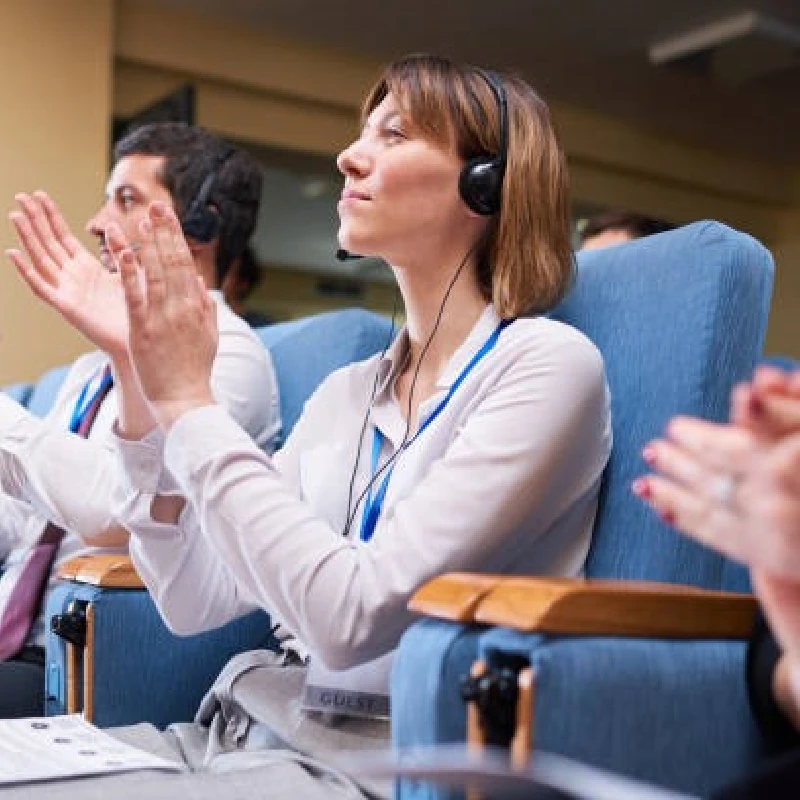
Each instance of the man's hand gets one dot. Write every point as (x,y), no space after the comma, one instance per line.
(60,271)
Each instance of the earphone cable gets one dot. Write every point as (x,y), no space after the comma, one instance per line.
(389,338)
(406,440)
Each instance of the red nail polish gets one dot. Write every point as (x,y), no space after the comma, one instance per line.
(756,405)
(667,515)
(641,488)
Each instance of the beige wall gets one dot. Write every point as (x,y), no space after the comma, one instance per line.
(257,87)
(55,92)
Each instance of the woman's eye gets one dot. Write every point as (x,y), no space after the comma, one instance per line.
(395,134)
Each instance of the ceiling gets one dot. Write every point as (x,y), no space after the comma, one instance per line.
(583,52)
(587,53)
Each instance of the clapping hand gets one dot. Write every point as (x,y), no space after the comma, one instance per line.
(62,272)
(736,488)
(171,317)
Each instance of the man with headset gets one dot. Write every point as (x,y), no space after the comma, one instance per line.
(57,489)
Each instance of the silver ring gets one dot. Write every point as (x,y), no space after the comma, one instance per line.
(724,488)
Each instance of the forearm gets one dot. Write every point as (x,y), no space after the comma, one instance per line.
(170,553)
(135,415)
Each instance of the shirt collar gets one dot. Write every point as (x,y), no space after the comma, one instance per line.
(394,358)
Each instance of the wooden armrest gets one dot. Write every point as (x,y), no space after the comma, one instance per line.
(453,596)
(113,571)
(604,608)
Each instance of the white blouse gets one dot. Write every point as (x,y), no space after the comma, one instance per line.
(505,479)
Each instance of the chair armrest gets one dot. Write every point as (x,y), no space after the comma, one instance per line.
(576,606)
(113,571)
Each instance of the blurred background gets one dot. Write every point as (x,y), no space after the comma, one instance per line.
(676,109)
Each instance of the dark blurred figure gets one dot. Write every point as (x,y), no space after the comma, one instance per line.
(616,227)
(241,279)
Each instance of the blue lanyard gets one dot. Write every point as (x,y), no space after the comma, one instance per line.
(85,402)
(373,505)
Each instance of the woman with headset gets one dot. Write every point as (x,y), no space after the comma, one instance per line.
(475,441)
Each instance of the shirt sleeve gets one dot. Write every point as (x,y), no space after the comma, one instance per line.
(539,439)
(74,482)
(61,476)
(763,654)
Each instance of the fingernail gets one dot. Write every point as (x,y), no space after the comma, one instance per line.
(641,488)
(755,404)
(667,515)
(649,454)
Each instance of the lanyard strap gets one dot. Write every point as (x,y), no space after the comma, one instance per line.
(85,402)
(373,505)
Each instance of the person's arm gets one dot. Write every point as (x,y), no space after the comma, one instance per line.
(43,461)
(531,448)
(61,476)
(772,699)
(20,525)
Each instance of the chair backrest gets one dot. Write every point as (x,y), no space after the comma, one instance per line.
(45,390)
(679,318)
(305,351)
(20,392)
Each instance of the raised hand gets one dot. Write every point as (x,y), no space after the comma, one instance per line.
(730,490)
(62,272)
(769,405)
(172,319)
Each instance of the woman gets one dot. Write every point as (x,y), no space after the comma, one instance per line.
(736,488)
(476,441)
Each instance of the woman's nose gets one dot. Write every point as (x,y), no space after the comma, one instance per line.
(353,160)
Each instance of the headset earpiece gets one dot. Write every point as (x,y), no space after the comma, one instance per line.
(201,222)
(480,183)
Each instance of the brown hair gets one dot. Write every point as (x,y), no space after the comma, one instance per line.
(635,225)
(525,264)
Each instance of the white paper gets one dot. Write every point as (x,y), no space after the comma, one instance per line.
(489,771)
(44,748)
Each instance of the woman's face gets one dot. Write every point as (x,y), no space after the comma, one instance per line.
(400,199)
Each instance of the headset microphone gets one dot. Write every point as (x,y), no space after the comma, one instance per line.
(345,255)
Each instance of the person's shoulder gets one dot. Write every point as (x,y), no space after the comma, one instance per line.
(85,366)
(542,337)
(346,387)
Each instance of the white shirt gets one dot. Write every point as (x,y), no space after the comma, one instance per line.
(47,473)
(504,480)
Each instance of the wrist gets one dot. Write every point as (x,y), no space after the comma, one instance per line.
(168,412)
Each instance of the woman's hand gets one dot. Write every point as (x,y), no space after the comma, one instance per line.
(729,489)
(171,318)
(61,271)
(736,488)
(769,405)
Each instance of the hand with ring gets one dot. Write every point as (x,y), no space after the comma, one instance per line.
(736,488)
(729,489)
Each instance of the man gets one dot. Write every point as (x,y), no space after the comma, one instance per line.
(48,474)
(242,279)
(616,227)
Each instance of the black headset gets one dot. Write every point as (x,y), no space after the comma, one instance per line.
(201,222)
(481,181)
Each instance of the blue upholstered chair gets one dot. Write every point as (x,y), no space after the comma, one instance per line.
(19,392)
(126,666)
(679,318)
